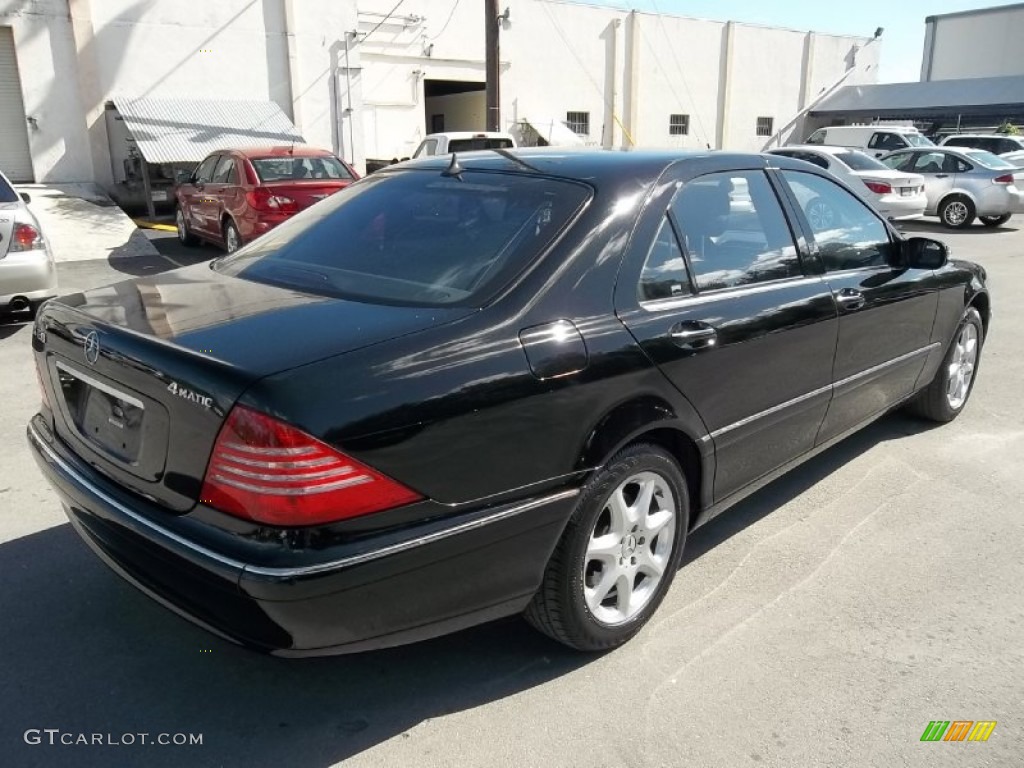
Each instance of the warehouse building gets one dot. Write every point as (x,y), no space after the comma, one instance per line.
(97,90)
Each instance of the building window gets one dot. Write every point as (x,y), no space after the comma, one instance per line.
(678,125)
(765,126)
(578,122)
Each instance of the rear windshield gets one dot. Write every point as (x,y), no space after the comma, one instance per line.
(470,145)
(988,160)
(859,161)
(917,140)
(414,237)
(7,195)
(299,168)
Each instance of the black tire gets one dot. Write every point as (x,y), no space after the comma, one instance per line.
(560,609)
(185,237)
(994,221)
(957,212)
(231,231)
(933,402)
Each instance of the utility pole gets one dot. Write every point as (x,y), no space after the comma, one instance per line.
(491,26)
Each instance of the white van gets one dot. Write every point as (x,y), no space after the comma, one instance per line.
(875,140)
(463,141)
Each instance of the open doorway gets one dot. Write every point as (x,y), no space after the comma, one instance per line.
(454,105)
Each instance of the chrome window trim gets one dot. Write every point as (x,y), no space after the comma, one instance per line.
(717,294)
(300,571)
(100,385)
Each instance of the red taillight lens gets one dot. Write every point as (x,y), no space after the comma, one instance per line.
(25,238)
(265,470)
(1006,178)
(878,187)
(262,199)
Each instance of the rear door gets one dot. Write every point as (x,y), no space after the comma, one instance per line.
(885,312)
(714,292)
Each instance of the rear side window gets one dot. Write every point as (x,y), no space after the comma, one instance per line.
(900,162)
(471,145)
(810,157)
(849,235)
(7,195)
(664,275)
(734,231)
(299,168)
(415,238)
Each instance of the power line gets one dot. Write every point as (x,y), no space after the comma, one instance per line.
(447,21)
(382,21)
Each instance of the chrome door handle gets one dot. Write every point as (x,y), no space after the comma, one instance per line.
(693,336)
(849,298)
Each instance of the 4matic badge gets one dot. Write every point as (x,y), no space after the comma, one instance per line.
(189,394)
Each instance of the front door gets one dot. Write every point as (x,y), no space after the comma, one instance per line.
(885,311)
(195,194)
(714,292)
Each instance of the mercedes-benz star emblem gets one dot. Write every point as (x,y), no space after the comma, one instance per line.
(92,347)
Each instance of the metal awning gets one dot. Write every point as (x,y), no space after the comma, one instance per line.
(981,95)
(187,130)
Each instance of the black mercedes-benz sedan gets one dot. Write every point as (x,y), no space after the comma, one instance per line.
(505,382)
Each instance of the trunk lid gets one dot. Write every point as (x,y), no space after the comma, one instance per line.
(306,193)
(142,374)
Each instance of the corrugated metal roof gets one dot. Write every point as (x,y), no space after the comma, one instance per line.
(187,130)
(975,94)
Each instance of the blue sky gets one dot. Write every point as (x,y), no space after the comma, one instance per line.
(903,20)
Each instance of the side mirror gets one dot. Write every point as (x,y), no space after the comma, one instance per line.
(925,253)
(182,177)
(26,198)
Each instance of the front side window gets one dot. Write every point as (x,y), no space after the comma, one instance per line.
(664,274)
(204,173)
(414,238)
(818,137)
(848,233)
(427,148)
(901,162)
(734,231)
(886,141)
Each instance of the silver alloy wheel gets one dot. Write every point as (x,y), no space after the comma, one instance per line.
(231,239)
(629,548)
(820,216)
(179,221)
(961,367)
(956,213)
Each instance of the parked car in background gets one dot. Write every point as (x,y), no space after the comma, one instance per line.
(463,141)
(894,194)
(28,275)
(236,195)
(876,140)
(1010,148)
(962,184)
(454,394)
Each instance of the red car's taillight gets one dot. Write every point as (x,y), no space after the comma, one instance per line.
(267,471)
(1006,178)
(262,199)
(25,238)
(878,187)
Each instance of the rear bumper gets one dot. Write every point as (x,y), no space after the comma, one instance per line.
(31,274)
(899,208)
(421,582)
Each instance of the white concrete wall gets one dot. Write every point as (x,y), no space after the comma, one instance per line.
(988,43)
(45,47)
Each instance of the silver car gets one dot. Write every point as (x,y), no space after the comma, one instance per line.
(963,184)
(28,276)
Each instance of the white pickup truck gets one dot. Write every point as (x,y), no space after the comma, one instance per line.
(463,141)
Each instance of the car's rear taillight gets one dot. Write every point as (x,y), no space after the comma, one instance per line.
(262,199)
(25,237)
(1006,178)
(878,187)
(271,472)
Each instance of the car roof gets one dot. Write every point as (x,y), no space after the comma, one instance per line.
(825,149)
(981,136)
(469,135)
(595,165)
(281,150)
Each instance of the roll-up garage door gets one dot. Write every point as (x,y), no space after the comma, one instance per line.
(15,160)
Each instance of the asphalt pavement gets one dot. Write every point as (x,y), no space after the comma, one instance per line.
(825,621)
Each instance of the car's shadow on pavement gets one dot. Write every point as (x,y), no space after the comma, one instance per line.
(933,227)
(85,653)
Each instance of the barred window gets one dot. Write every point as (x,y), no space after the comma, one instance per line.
(765,126)
(678,125)
(578,122)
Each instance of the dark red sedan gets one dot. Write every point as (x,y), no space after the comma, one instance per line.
(236,195)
